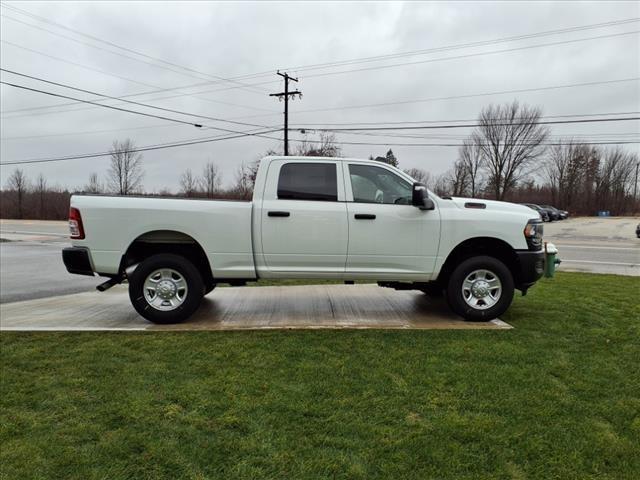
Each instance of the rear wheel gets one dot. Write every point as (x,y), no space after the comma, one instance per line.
(166,288)
(480,289)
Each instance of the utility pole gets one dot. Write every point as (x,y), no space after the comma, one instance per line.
(635,189)
(286,94)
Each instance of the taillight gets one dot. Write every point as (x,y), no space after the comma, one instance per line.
(75,224)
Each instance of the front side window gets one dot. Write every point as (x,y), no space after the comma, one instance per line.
(378,185)
(308,181)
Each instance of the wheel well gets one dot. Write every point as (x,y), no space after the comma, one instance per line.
(167,241)
(492,247)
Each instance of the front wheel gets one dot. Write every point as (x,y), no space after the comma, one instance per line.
(166,288)
(480,289)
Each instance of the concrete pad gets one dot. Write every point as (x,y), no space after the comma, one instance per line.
(247,308)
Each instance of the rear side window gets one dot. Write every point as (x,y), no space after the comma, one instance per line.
(308,181)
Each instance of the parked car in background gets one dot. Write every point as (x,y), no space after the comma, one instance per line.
(555,214)
(544,214)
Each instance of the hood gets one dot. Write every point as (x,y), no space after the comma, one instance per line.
(493,205)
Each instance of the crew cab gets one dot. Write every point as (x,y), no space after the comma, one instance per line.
(310,217)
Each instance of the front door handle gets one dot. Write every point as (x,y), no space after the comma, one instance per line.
(365,216)
(278,214)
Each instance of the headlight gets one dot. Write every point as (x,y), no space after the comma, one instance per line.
(533,233)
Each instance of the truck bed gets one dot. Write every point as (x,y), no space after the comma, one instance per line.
(221,227)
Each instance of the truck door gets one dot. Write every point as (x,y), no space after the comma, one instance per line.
(304,218)
(389,238)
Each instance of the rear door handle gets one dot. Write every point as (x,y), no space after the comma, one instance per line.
(278,214)
(365,216)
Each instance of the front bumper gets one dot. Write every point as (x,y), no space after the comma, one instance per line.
(77,260)
(531,268)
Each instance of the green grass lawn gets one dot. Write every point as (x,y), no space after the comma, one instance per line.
(558,397)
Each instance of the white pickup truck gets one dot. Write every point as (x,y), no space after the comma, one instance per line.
(310,217)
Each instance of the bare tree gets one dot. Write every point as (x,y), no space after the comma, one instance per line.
(188,183)
(614,183)
(441,185)
(510,138)
(211,179)
(470,158)
(41,190)
(245,179)
(125,172)
(459,179)
(18,183)
(94,185)
(420,175)
(327,146)
(565,169)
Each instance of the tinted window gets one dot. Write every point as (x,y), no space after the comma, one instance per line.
(378,185)
(308,181)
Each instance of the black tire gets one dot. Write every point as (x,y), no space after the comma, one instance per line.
(191,275)
(209,288)
(455,296)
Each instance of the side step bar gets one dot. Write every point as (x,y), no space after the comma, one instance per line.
(110,283)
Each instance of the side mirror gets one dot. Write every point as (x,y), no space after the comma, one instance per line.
(420,197)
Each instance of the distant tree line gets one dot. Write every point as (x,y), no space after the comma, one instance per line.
(507,157)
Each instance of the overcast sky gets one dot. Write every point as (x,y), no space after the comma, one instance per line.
(204,41)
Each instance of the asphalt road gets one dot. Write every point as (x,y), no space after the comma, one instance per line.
(31,261)
(598,245)
(32,269)
(21,229)
(31,265)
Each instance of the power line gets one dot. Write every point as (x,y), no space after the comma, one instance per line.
(450,47)
(470,55)
(118,108)
(460,144)
(100,40)
(322,124)
(260,134)
(128,101)
(23,87)
(302,68)
(255,125)
(122,97)
(443,136)
(387,66)
(109,51)
(155,87)
(310,127)
(456,97)
(104,72)
(87,132)
(469,125)
(460,46)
